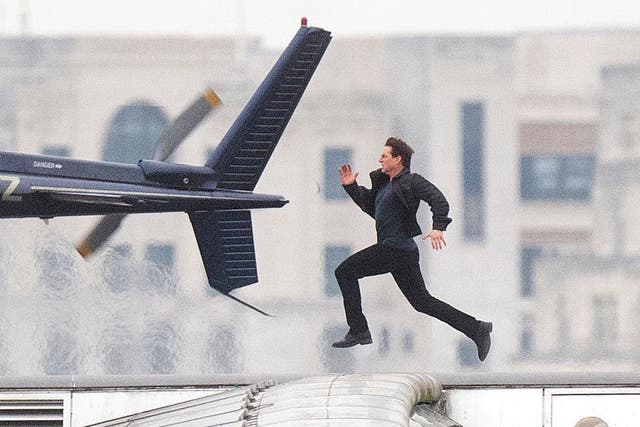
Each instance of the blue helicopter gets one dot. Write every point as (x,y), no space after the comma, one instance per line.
(217,197)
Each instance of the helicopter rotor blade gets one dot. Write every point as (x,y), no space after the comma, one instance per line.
(185,123)
(181,127)
(107,225)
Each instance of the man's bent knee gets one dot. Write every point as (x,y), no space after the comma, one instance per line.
(341,272)
(344,274)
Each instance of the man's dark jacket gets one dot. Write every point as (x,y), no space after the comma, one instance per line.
(410,189)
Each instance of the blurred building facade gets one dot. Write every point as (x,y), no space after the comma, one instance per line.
(533,138)
(577,276)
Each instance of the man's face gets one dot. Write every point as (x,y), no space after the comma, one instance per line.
(388,162)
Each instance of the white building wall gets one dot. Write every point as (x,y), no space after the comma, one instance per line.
(476,70)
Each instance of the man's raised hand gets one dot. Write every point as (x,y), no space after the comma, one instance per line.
(346,174)
(437,239)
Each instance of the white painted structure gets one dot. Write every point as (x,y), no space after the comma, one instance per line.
(332,400)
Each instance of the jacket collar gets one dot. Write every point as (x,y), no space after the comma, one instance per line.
(378,179)
(403,172)
(377,175)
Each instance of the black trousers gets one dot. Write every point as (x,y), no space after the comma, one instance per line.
(405,268)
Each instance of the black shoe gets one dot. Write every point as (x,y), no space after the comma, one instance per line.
(483,339)
(352,339)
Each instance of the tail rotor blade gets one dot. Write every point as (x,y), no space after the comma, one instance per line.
(185,123)
(100,234)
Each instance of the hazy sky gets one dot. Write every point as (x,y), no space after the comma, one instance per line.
(277,20)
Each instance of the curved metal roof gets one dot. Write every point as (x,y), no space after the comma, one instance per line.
(353,400)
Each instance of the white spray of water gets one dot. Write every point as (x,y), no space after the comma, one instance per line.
(115,314)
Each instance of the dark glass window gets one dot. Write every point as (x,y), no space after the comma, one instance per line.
(116,348)
(333,257)
(467,353)
(528,257)
(224,353)
(160,268)
(526,335)
(384,342)
(556,177)
(332,360)
(161,347)
(117,268)
(134,132)
(408,342)
(160,254)
(333,158)
(472,118)
(58,272)
(60,353)
(605,320)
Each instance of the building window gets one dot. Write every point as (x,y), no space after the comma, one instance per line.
(160,266)
(605,320)
(56,150)
(384,340)
(58,272)
(134,132)
(526,335)
(472,118)
(224,354)
(630,140)
(563,323)
(556,177)
(528,258)
(160,254)
(60,353)
(333,257)
(116,348)
(116,268)
(408,342)
(161,347)
(333,158)
(467,353)
(335,360)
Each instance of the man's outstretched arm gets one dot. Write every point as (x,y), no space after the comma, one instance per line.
(357,193)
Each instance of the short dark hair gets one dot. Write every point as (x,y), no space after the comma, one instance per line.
(400,148)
